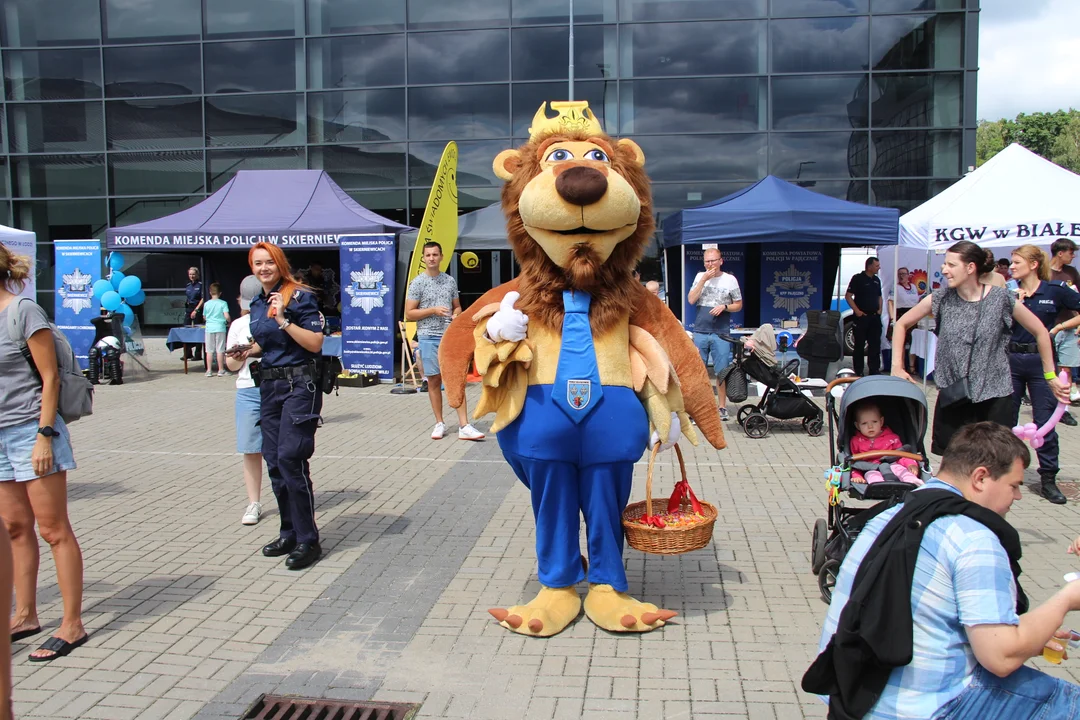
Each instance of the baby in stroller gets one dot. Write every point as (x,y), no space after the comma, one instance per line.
(871,433)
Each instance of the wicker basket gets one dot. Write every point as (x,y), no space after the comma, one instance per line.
(666,541)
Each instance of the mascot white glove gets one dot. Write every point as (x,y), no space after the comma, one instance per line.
(673,435)
(508,323)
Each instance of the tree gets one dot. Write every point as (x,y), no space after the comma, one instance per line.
(1045,134)
(1066,149)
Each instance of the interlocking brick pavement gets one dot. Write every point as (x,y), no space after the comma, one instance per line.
(421,537)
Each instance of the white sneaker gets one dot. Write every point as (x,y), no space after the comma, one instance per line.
(221,373)
(1074,394)
(438,431)
(209,373)
(468,432)
(252,514)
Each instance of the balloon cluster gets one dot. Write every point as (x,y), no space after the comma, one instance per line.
(1035,435)
(119,292)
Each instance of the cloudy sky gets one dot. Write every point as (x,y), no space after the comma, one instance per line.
(1029,57)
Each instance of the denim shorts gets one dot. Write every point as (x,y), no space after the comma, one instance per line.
(709,344)
(248,433)
(17,447)
(1068,352)
(1025,694)
(429,354)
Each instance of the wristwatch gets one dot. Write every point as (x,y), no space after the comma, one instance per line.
(285,324)
(47,431)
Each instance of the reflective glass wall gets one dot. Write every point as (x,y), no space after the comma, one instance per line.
(119,111)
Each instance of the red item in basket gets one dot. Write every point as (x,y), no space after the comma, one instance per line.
(681,491)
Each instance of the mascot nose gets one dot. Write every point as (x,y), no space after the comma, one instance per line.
(581,185)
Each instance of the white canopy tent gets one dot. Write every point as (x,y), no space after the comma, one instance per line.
(22,242)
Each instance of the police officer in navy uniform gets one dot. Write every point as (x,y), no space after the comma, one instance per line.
(864,297)
(193,302)
(288,333)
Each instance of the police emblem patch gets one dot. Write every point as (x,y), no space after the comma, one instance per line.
(578,393)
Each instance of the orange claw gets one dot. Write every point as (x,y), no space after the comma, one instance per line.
(498,613)
(513,621)
(536,625)
(650,618)
(628,621)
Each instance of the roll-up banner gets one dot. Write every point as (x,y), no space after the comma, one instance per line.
(367,304)
(734,257)
(22,243)
(78,266)
(791,282)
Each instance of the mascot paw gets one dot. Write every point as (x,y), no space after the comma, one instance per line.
(508,323)
(618,612)
(673,435)
(549,613)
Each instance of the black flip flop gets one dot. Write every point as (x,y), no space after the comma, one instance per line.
(59,647)
(23,634)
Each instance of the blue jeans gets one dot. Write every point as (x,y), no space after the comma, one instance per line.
(1027,373)
(711,344)
(1026,694)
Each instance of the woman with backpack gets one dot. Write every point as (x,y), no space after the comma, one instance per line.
(35,457)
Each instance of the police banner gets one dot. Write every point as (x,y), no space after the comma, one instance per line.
(734,257)
(23,243)
(367,304)
(78,266)
(791,282)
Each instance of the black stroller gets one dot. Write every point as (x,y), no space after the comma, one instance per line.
(904,407)
(782,399)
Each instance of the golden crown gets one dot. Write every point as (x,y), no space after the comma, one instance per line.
(572,115)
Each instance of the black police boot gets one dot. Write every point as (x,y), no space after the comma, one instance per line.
(1049,490)
(279,547)
(305,555)
(1068,419)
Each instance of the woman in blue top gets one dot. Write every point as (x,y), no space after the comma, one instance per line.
(287,330)
(1031,269)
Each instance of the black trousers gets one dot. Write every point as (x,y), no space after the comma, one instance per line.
(868,340)
(947,420)
(1027,374)
(192,351)
(288,417)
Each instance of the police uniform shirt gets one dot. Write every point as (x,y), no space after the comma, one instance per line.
(193,291)
(866,291)
(278,349)
(1046,302)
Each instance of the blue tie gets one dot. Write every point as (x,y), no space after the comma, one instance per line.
(577,380)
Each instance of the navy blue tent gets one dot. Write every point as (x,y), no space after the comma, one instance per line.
(775,211)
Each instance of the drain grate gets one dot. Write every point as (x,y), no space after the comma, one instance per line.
(277,707)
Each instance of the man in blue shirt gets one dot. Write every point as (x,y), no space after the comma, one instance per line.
(969,645)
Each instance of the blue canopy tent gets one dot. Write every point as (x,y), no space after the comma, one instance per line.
(778,213)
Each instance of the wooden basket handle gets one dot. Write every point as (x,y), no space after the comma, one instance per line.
(648,478)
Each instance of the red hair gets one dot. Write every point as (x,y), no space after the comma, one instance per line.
(289,284)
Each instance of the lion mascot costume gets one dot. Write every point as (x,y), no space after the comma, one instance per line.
(579,362)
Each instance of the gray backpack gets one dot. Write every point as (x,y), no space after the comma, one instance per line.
(76,392)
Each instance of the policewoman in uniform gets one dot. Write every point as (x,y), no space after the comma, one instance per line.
(287,330)
(193,302)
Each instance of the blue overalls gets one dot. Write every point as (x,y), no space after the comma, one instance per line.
(1027,370)
(574,446)
(290,412)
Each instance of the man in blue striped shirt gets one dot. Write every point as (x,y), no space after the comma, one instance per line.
(969,644)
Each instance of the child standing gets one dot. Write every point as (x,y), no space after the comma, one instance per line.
(216,313)
(871,433)
(248,402)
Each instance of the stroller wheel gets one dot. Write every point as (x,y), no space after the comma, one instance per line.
(744,412)
(827,579)
(817,545)
(814,426)
(756,425)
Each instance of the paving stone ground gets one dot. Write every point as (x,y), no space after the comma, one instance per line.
(189,620)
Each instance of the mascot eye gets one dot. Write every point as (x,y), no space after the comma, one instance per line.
(560,155)
(597,155)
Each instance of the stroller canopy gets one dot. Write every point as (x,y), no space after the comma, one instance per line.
(901,402)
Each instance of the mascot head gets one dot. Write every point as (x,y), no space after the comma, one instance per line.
(579,213)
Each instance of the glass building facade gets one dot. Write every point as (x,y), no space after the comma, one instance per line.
(120,111)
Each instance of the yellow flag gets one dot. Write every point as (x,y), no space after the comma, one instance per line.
(440,221)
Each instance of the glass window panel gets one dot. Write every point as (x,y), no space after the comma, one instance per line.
(4,185)
(702,48)
(128,211)
(812,156)
(430,14)
(819,102)
(254,120)
(694,157)
(149,70)
(469,199)
(534,12)
(917,153)
(474,162)
(150,20)
(357,116)
(889,6)
(670,197)
(930,100)
(358,61)
(39,176)
(917,42)
(154,124)
(56,127)
(528,97)
(365,166)
(819,44)
(60,220)
(810,8)
(906,195)
(157,173)
(261,66)
(638,10)
(850,190)
(33,23)
(254,18)
(697,105)
(452,57)
(330,17)
(541,53)
(459,112)
(224,164)
(392,204)
(52,74)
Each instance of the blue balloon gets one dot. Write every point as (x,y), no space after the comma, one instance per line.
(116,261)
(137,299)
(115,277)
(111,301)
(129,286)
(101,287)
(129,316)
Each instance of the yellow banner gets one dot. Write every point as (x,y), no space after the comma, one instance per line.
(440,221)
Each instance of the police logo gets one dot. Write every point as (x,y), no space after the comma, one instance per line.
(578,393)
(367,289)
(76,291)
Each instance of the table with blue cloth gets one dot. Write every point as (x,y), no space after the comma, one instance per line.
(181,336)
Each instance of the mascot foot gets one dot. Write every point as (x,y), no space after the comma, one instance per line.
(549,613)
(618,612)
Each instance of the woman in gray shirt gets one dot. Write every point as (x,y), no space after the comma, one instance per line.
(974,327)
